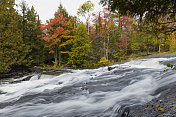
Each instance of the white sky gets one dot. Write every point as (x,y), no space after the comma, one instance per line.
(47,8)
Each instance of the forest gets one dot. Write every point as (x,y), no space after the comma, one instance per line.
(122,30)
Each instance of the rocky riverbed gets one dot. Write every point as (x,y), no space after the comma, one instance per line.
(140,88)
(163,106)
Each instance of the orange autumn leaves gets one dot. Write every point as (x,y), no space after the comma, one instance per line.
(57,32)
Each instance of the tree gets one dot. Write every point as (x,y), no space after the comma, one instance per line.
(13,50)
(125,24)
(57,33)
(38,53)
(150,10)
(63,11)
(24,19)
(30,27)
(103,34)
(86,8)
(81,48)
(172,42)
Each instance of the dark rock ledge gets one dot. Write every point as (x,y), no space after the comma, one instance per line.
(165,107)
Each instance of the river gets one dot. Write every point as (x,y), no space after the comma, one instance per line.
(89,92)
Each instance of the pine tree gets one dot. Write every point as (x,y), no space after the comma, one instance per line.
(30,27)
(13,50)
(38,52)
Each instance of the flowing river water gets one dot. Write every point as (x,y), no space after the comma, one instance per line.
(89,92)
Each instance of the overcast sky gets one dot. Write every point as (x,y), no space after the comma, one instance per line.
(47,8)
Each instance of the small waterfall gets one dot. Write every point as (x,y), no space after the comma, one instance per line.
(89,92)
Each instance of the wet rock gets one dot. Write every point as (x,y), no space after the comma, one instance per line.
(125,112)
(1,92)
(59,83)
(160,107)
(111,68)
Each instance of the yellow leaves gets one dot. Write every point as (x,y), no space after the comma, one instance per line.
(160,109)
(65,36)
(172,41)
(64,52)
(66,43)
(103,61)
(162,45)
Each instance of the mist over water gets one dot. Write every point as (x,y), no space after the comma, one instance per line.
(87,93)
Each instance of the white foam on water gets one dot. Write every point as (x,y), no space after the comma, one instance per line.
(15,91)
(148,63)
(138,90)
(167,80)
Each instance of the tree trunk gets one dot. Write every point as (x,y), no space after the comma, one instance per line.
(147,46)
(160,44)
(107,57)
(3,4)
(105,42)
(55,56)
(121,34)
(59,59)
(88,27)
(23,22)
(88,23)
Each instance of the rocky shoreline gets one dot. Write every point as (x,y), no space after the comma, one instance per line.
(36,70)
(159,107)
(26,71)
(159,55)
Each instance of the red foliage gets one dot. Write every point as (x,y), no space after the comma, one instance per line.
(55,29)
(101,24)
(126,22)
(123,42)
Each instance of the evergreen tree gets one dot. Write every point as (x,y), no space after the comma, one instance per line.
(13,50)
(80,49)
(30,26)
(38,52)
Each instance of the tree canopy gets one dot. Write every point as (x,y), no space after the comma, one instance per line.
(144,9)
(85,8)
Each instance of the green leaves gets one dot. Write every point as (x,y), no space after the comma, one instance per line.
(80,49)
(85,8)
(171,66)
(149,10)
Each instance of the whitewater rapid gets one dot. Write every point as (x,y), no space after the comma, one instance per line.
(87,93)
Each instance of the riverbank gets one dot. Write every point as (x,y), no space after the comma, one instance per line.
(163,106)
(20,72)
(158,55)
